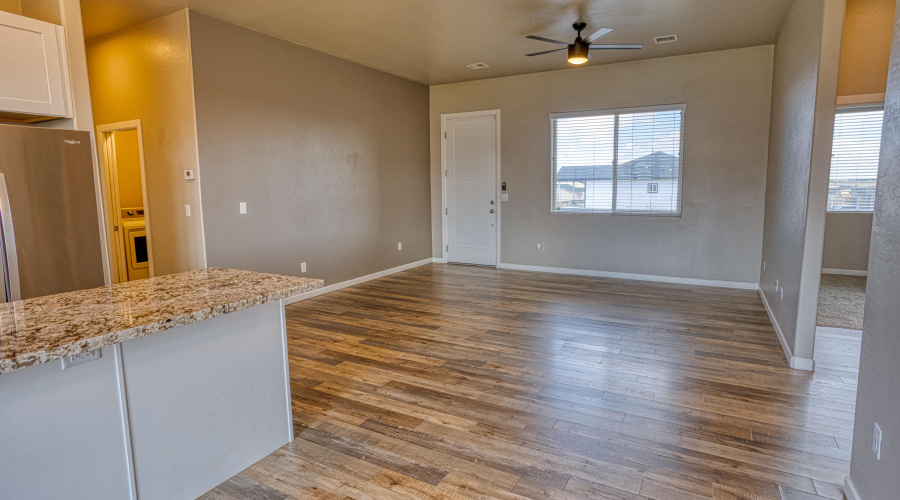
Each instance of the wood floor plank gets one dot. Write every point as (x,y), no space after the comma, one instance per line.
(461,382)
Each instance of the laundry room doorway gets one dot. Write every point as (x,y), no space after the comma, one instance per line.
(121,152)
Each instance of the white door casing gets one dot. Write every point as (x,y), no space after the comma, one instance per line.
(471,203)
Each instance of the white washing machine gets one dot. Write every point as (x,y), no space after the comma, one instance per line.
(137,257)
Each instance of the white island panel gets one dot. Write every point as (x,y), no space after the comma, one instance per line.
(61,432)
(207,400)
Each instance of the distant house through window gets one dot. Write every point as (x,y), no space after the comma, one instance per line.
(854,159)
(625,161)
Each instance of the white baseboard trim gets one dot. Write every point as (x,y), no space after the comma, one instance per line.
(805,364)
(846,272)
(440,260)
(796,363)
(850,489)
(356,281)
(743,285)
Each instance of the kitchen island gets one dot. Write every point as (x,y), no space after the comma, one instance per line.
(159,388)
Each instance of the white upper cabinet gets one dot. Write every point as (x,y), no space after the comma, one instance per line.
(34,77)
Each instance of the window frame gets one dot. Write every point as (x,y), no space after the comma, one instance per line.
(844,109)
(617,111)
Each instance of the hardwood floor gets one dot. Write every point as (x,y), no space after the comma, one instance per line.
(463,382)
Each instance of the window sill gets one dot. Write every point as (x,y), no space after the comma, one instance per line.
(589,212)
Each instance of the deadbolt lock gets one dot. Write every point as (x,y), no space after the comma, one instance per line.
(492,202)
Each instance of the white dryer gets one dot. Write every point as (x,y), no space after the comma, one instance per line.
(137,257)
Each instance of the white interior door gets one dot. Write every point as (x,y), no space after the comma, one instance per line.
(471,189)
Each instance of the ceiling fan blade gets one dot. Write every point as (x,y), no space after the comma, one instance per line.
(590,56)
(546,52)
(620,46)
(600,33)
(535,37)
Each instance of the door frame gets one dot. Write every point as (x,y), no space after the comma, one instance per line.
(495,113)
(110,190)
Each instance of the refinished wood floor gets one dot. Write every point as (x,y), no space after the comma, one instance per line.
(464,382)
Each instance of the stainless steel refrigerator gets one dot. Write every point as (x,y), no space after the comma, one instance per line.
(50,234)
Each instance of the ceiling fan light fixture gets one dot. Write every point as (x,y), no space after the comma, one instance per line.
(578,53)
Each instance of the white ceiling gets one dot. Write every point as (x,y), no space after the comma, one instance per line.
(431,41)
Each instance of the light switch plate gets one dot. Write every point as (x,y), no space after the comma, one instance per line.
(188,175)
(187,210)
(504,197)
(243,207)
(303,267)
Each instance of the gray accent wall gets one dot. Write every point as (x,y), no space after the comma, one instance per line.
(331,157)
(726,130)
(847,237)
(879,370)
(804,93)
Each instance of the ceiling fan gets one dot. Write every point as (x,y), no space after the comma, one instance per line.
(580,49)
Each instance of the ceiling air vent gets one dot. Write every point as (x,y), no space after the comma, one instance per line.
(478,65)
(665,39)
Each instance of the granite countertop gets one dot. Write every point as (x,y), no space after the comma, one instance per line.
(43,329)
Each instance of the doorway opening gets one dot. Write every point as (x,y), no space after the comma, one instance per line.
(121,152)
(855,158)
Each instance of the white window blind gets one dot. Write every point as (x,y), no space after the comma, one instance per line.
(854,159)
(625,161)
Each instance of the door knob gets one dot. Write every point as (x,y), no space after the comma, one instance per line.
(492,210)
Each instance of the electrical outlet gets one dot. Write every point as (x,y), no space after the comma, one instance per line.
(303,267)
(876,442)
(187,210)
(188,175)
(400,245)
(242,207)
(80,358)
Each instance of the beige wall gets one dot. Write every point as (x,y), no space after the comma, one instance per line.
(726,132)
(866,47)
(44,10)
(847,237)
(144,73)
(128,169)
(879,371)
(331,157)
(13,6)
(804,93)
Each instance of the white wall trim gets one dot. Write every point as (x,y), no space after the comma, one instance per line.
(743,285)
(846,272)
(861,99)
(199,208)
(850,489)
(356,281)
(795,363)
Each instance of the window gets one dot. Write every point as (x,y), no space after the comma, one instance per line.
(625,161)
(854,159)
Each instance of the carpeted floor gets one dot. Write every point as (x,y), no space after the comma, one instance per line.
(842,300)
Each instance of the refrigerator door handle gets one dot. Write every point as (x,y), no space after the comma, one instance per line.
(11,261)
